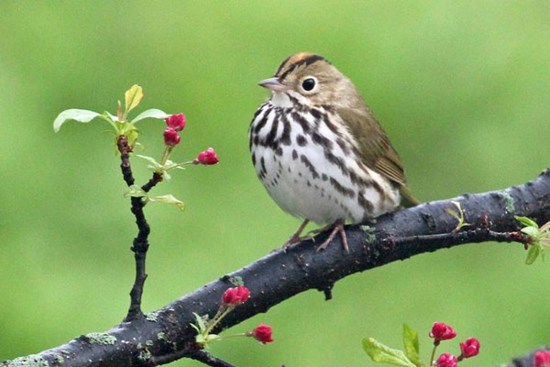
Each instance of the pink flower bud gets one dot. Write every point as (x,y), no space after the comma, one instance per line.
(441,331)
(176,122)
(469,348)
(446,360)
(236,295)
(171,137)
(207,157)
(542,358)
(262,333)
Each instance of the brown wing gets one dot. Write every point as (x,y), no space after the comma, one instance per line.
(374,144)
(376,149)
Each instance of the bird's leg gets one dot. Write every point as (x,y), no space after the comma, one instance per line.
(296,236)
(336,227)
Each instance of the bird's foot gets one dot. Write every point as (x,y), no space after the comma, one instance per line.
(296,236)
(336,227)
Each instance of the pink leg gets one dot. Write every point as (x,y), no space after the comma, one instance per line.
(296,236)
(336,227)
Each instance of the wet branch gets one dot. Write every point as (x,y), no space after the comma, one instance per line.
(140,244)
(165,335)
(209,359)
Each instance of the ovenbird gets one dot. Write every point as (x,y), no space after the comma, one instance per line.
(320,152)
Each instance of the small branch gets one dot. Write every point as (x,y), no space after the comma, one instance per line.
(466,236)
(157,178)
(169,357)
(125,150)
(140,244)
(209,359)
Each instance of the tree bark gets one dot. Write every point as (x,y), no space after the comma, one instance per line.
(166,335)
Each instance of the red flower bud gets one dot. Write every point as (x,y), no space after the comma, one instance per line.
(207,157)
(469,348)
(176,122)
(446,360)
(542,358)
(441,331)
(236,295)
(262,333)
(171,137)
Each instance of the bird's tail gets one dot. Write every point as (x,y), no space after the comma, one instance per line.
(408,199)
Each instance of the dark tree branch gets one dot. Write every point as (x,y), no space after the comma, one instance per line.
(526,360)
(466,236)
(140,244)
(199,355)
(125,150)
(166,335)
(209,359)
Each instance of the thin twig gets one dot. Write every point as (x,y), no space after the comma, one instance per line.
(199,355)
(140,244)
(125,150)
(153,181)
(167,357)
(208,359)
(465,236)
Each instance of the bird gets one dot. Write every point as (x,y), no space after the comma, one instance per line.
(320,152)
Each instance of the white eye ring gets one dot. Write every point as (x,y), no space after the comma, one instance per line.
(309,84)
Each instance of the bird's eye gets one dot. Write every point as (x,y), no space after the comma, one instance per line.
(308,84)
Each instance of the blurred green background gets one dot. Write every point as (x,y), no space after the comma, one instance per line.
(462,88)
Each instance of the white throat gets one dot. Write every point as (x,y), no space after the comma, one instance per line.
(280,99)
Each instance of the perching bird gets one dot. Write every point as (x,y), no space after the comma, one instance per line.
(320,152)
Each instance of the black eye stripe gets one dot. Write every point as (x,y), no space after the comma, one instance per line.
(281,66)
(307,61)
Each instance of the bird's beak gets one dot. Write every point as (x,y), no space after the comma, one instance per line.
(272,83)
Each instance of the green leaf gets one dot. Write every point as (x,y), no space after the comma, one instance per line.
(212,338)
(168,199)
(200,339)
(154,164)
(111,117)
(73,114)
(459,216)
(200,326)
(411,344)
(531,232)
(152,113)
(236,280)
(532,254)
(382,353)
(195,327)
(132,97)
(527,222)
(135,192)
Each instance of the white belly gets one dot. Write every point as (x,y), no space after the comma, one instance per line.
(294,167)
